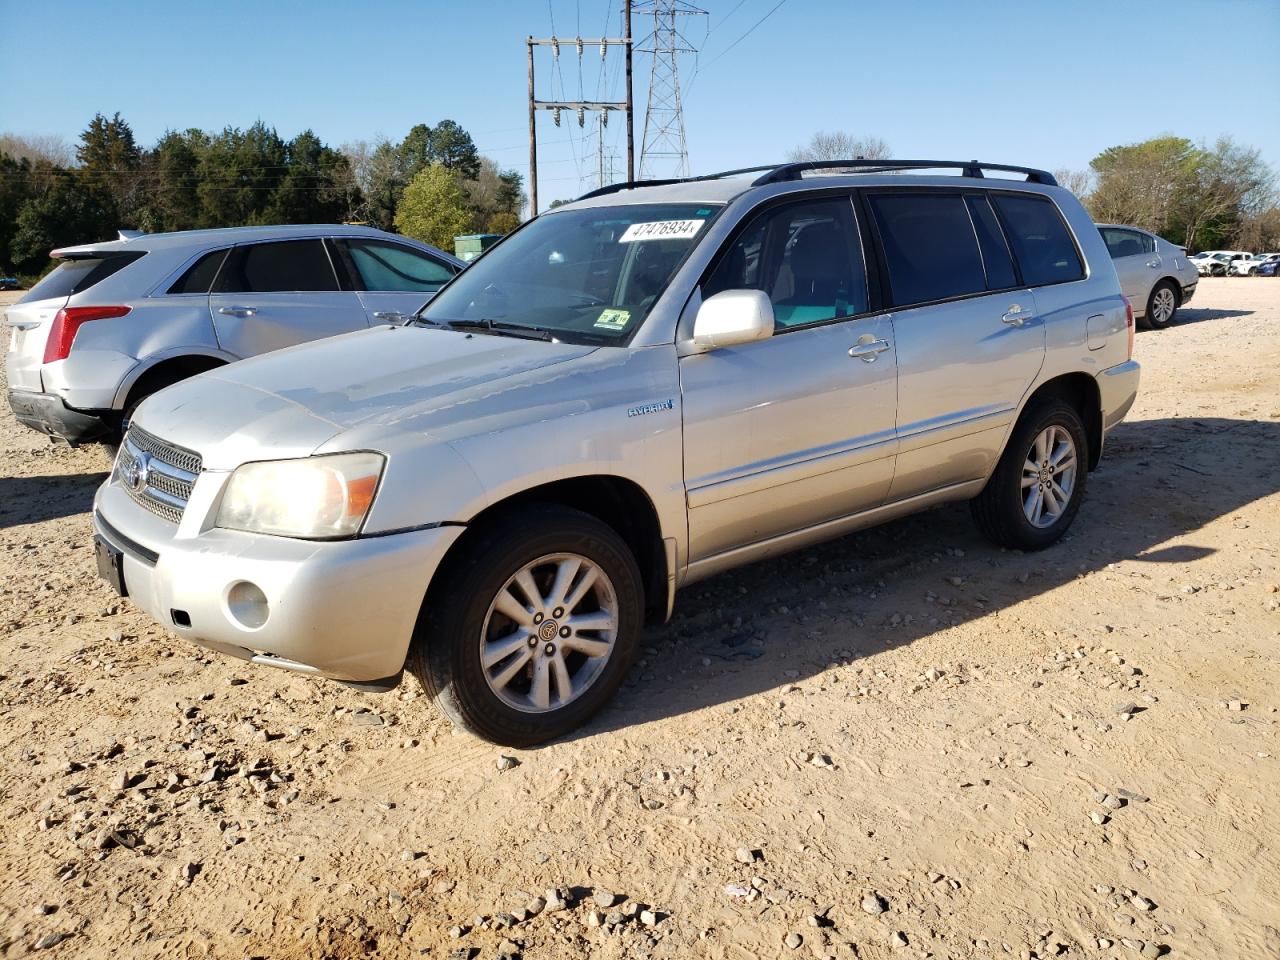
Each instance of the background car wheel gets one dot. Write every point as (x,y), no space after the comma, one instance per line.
(1036,489)
(1162,305)
(116,437)
(531,629)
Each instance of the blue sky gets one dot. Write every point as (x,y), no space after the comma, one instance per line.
(1035,83)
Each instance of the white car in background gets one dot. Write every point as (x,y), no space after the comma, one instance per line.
(1248,266)
(1157,276)
(115,322)
(1217,263)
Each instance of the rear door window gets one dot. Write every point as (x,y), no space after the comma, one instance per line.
(78,274)
(285,266)
(1125,243)
(1045,250)
(199,276)
(383,266)
(930,246)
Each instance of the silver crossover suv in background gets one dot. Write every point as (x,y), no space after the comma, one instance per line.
(115,322)
(634,391)
(1155,275)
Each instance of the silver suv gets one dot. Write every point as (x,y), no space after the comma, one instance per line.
(115,322)
(634,391)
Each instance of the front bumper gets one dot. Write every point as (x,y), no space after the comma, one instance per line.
(1118,389)
(49,414)
(342,609)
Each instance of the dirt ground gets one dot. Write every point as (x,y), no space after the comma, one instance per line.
(905,743)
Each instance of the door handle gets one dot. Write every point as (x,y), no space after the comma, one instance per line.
(867,352)
(1153,264)
(1016,316)
(238,311)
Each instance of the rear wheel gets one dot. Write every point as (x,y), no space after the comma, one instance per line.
(532,627)
(1036,489)
(1162,305)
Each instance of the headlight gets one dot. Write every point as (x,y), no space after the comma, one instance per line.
(314,498)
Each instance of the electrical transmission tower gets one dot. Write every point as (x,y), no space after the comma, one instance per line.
(663,142)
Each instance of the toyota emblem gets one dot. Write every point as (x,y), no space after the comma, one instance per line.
(137,473)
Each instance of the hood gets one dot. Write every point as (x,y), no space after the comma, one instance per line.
(288,403)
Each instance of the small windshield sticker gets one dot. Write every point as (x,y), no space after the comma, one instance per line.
(613,319)
(661,230)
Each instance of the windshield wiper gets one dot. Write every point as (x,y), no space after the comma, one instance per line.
(500,328)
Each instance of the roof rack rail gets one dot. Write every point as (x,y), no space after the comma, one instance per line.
(782,173)
(630,184)
(968,168)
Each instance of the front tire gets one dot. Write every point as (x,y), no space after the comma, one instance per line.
(531,629)
(1162,305)
(1032,497)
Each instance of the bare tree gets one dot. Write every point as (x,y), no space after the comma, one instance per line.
(1079,182)
(48,147)
(840,146)
(1260,232)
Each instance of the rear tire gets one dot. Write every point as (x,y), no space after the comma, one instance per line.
(1048,443)
(1162,305)
(116,437)
(519,677)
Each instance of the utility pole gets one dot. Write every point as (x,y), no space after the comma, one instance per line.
(533,140)
(631,127)
(664,137)
(579,107)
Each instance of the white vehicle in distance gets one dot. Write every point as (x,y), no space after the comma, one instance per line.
(115,322)
(1217,263)
(1155,274)
(1248,266)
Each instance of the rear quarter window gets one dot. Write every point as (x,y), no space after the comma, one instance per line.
(1045,251)
(200,275)
(76,275)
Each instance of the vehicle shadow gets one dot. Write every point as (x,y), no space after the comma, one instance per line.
(26,500)
(782,620)
(1188,315)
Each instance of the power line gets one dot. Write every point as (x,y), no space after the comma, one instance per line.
(698,67)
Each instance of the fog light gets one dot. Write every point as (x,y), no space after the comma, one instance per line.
(247,605)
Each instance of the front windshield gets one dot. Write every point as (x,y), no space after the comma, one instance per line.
(584,276)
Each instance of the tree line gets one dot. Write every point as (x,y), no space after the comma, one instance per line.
(1200,196)
(432,185)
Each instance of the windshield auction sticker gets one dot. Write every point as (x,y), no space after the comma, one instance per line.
(661,230)
(613,319)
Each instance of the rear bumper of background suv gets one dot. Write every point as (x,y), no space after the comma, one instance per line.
(50,415)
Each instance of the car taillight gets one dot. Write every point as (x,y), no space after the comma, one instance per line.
(68,321)
(1128,322)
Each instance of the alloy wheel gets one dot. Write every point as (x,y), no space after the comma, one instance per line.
(549,633)
(1048,476)
(1163,304)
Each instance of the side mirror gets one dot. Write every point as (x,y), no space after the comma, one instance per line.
(732,317)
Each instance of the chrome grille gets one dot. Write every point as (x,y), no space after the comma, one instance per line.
(186,460)
(156,474)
